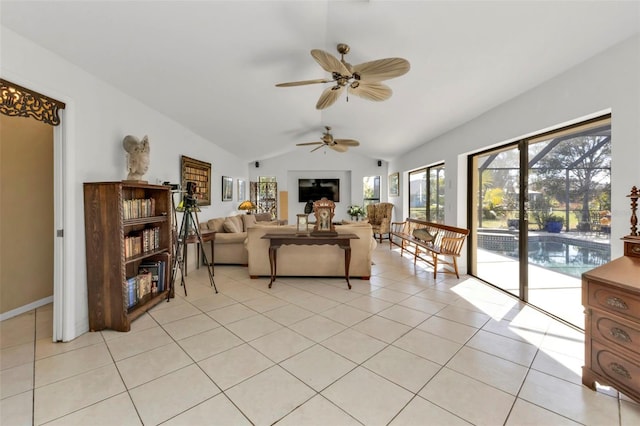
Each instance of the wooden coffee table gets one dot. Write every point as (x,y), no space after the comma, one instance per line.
(278,240)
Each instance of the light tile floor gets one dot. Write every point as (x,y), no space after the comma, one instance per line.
(400,349)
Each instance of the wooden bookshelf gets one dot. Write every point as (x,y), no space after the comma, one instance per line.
(125,224)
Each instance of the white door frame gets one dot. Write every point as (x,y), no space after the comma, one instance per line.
(58,229)
(62,287)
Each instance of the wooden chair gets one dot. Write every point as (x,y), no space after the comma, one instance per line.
(380,216)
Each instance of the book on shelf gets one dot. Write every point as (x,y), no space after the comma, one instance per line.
(138,242)
(136,208)
(164,273)
(156,269)
(144,285)
(131,291)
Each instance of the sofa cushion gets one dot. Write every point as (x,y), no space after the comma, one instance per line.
(216,224)
(231,226)
(231,238)
(263,217)
(249,220)
(363,222)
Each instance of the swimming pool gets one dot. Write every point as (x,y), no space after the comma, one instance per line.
(569,257)
(561,253)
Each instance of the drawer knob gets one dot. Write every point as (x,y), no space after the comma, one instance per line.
(619,370)
(620,334)
(635,249)
(616,302)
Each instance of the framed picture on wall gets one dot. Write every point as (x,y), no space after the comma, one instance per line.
(199,172)
(394,185)
(242,190)
(227,188)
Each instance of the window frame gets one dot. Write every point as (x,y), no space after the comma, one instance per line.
(440,193)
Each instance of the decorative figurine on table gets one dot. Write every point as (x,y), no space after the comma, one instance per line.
(308,208)
(137,157)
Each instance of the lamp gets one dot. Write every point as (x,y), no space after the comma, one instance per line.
(247,205)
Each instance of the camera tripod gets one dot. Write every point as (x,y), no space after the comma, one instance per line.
(189,221)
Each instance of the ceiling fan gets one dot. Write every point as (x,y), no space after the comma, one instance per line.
(339,145)
(363,80)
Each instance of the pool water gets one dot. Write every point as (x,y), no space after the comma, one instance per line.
(569,258)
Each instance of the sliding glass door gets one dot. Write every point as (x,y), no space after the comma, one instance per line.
(496,215)
(540,215)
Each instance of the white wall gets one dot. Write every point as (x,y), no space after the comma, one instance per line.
(349,167)
(96,119)
(607,82)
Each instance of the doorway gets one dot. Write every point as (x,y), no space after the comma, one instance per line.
(27,213)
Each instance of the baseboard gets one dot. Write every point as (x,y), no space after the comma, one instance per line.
(26,308)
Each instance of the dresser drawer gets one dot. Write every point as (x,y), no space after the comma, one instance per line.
(632,249)
(612,300)
(619,369)
(610,330)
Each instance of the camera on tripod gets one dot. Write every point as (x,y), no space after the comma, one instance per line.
(188,234)
(189,200)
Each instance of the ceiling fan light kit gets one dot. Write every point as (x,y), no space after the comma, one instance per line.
(363,80)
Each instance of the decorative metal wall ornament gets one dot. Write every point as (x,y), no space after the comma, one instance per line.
(18,101)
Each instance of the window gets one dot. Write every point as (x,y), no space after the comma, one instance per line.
(426,193)
(264,194)
(370,190)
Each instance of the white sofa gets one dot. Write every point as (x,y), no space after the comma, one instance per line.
(315,261)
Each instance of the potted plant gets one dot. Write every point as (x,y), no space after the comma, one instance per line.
(554,223)
(356,212)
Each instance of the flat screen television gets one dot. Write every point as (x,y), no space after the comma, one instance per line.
(315,189)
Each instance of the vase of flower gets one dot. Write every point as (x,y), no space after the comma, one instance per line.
(356,212)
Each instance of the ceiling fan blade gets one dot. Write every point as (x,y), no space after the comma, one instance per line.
(339,148)
(304,82)
(371,91)
(329,96)
(315,149)
(309,143)
(382,69)
(347,142)
(328,62)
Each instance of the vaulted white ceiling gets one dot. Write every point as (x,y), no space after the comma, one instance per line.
(213,65)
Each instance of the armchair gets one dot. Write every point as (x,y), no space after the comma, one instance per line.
(380,216)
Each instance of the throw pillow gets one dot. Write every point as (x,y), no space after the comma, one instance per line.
(230,226)
(216,224)
(424,235)
(237,219)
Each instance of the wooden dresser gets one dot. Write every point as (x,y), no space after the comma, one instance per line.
(611,297)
